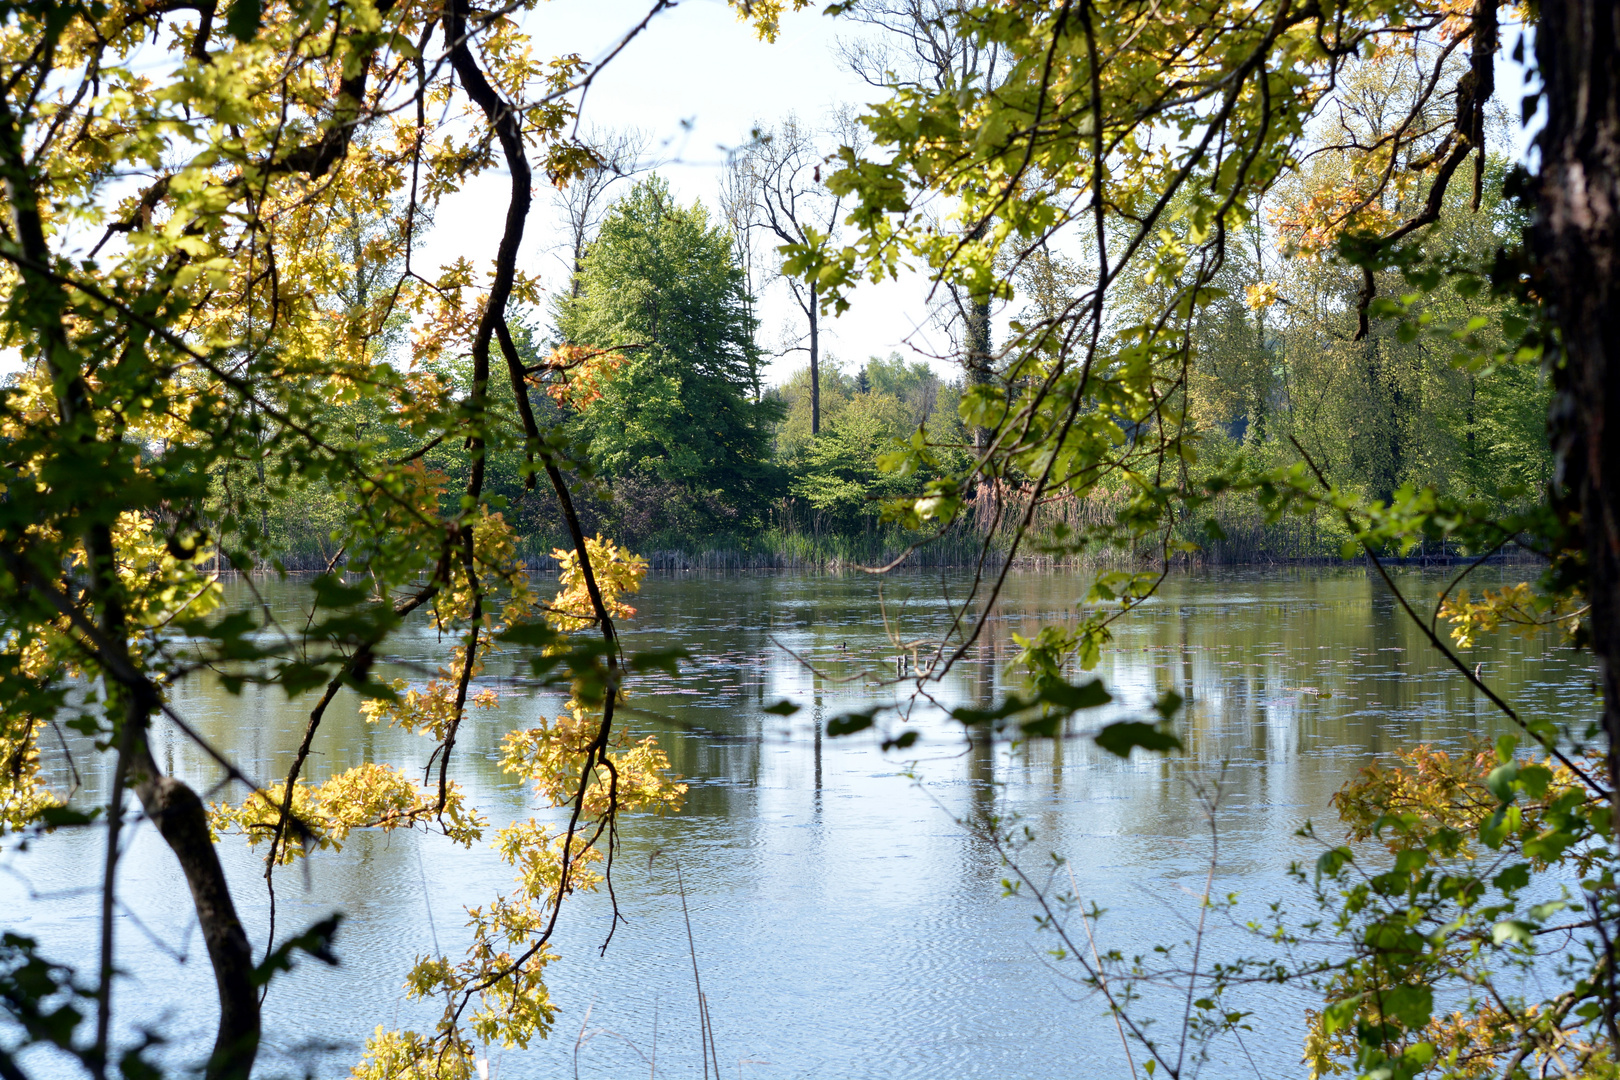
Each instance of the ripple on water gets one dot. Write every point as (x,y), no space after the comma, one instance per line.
(843,926)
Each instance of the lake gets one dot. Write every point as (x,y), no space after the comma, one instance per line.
(845,926)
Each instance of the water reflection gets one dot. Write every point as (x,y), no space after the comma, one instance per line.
(845,926)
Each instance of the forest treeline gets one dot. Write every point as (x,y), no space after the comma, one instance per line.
(660,386)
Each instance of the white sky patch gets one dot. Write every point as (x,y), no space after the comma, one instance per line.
(696,81)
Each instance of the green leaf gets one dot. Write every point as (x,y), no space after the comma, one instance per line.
(532,635)
(972,717)
(782,708)
(316,941)
(64,816)
(1419,1053)
(229,628)
(1338,1014)
(1513,878)
(1550,845)
(544,666)
(1515,930)
(1089,695)
(903,741)
(1122,737)
(1043,727)
(298,676)
(1494,829)
(242,19)
(1330,862)
(1501,782)
(1411,861)
(850,723)
(330,591)
(371,688)
(1168,704)
(1543,912)
(1411,1005)
(1534,779)
(666,660)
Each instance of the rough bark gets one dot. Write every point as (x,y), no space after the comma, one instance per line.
(812,311)
(1577,236)
(978,355)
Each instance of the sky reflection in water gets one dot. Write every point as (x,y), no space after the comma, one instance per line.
(844,925)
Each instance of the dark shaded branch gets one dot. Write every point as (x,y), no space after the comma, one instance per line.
(1440,646)
(1473,91)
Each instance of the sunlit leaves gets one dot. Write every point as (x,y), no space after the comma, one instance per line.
(390,1054)
(24,795)
(1443,915)
(617,573)
(578,374)
(365,797)
(766,15)
(1516,607)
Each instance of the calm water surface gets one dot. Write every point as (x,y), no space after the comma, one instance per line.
(844,925)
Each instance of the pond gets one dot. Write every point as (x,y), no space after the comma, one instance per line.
(844,924)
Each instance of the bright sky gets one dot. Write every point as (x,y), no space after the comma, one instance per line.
(697,81)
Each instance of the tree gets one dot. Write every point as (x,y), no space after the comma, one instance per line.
(662,286)
(1577,240)
(914,385)
(198,339)
(1277,359)
(784,169)
(583,202)
(792,433)
(740,209)
(1071,167)
(919,48)
(838,474)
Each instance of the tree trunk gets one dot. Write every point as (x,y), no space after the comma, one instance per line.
(1577,236)
(978,355)
(182,821)
(815,362)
